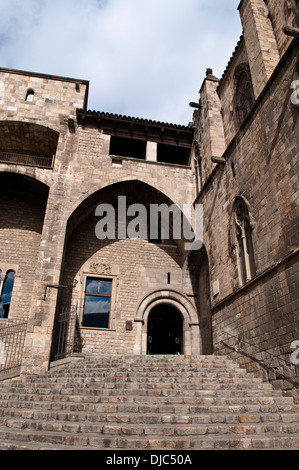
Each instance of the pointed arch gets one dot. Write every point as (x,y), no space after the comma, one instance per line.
(241,229)
(244,95)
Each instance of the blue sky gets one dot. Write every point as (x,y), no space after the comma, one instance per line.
(143,58)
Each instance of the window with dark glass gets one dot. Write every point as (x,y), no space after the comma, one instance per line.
(97,303)
(6,293)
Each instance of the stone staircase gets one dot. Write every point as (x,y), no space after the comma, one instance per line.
(146,403)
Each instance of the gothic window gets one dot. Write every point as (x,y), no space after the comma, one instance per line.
(244,245)
(97,302)
(244,98)
(6,293)
(29,96)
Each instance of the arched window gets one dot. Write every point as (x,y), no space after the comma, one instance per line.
(244,97)
(6,293)
(244,245)
(29,95)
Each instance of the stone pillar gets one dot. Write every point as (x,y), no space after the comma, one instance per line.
(38,341)
(210,123)
(151,151)
(260,41)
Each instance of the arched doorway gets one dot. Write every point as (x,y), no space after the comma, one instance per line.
(161,301)
(165,330)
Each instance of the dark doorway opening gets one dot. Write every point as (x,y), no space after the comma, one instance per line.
(165,331)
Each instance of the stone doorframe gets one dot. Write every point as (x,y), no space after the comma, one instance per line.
(191,329)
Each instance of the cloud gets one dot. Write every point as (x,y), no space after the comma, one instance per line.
(145,58)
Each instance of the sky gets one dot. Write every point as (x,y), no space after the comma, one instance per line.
(143,58)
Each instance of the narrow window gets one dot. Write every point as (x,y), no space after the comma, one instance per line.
(29,96)
(6,294)
(244,97)
(97,303)
(245,254)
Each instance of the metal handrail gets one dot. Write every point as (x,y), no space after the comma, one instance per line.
(279,375)
(67,324)
(12,339)
(27,160)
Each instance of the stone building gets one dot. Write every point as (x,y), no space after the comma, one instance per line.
(237,294)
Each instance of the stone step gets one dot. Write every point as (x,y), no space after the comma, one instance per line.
(133,404)
(97,396)
(185,412)
(154,437)
(245,424)
(154,415)
(117,377)
(109,396)
(146,362)
(271,442)
(160,375)
(131,367)
(93,387)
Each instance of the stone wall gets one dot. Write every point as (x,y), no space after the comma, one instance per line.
(55,98)
(265,157)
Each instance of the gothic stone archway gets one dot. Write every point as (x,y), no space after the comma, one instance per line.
(155,302)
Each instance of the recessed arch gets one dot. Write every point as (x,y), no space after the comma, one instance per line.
(40,179)
(28,138)
(113,257)
(177,300)
(136,191)
(23,202)
(21,182)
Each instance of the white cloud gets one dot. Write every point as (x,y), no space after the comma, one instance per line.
(145,58)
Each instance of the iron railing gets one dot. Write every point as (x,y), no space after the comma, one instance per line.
(267,361)
(12,338)
(27,160)
(67,322)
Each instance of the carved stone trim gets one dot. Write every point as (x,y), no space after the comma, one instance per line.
(100,268)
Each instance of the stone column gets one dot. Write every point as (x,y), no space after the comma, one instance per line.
(37,348)
(151,151)
(260,41)
(211,125)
